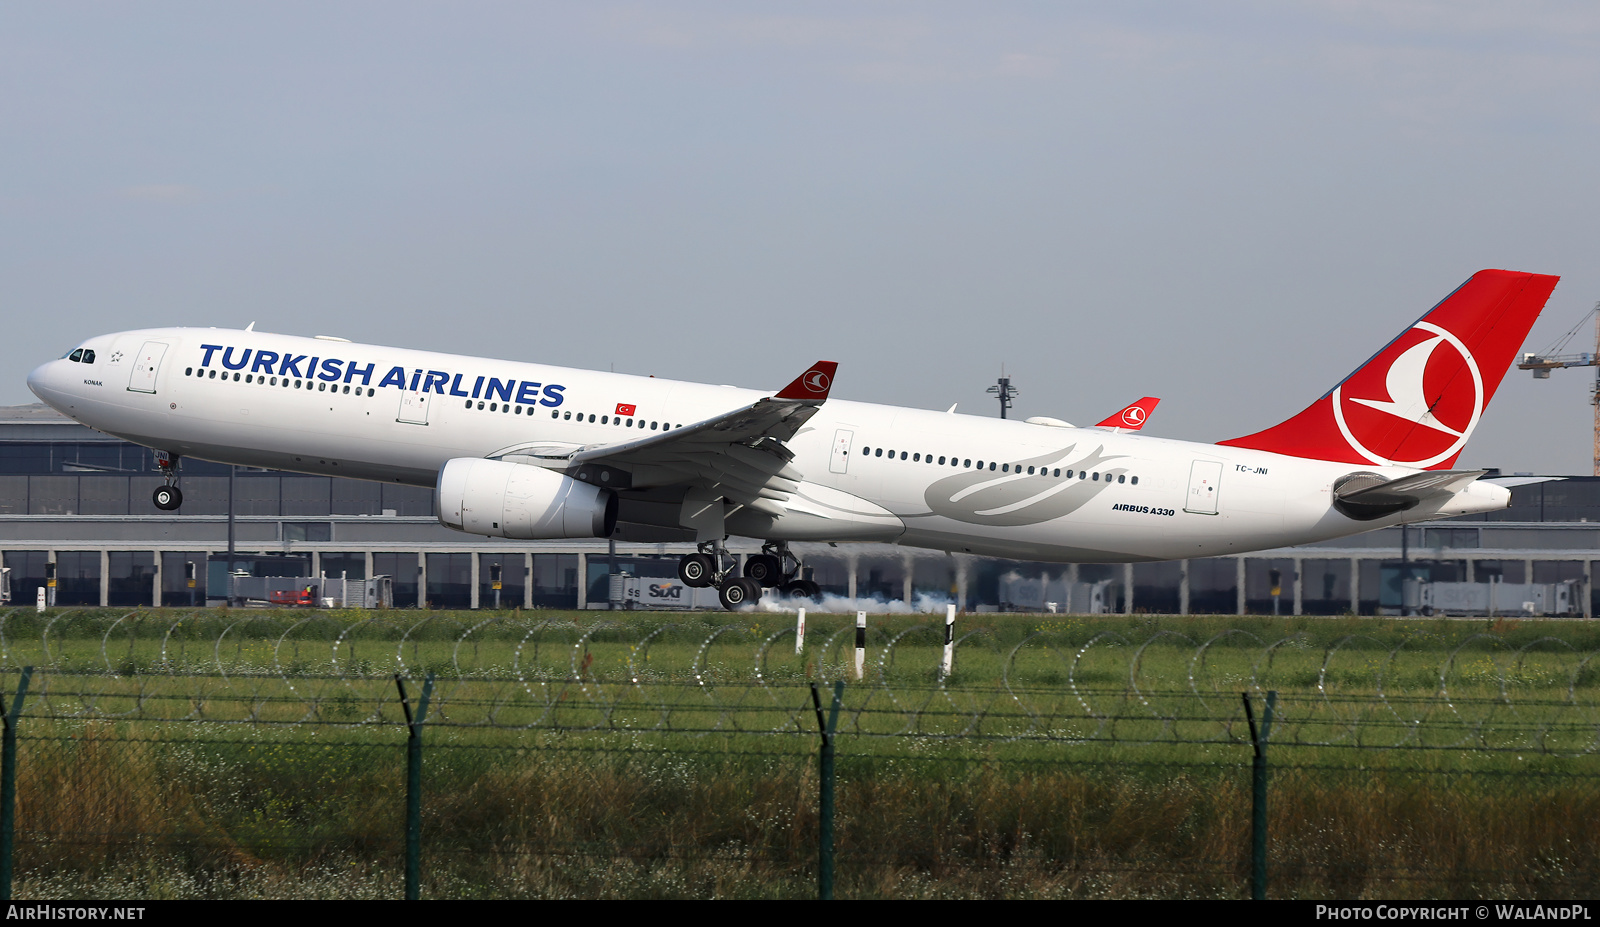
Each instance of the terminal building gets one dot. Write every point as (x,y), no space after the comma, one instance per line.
(80,500)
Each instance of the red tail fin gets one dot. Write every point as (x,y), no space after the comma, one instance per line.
(1415,403)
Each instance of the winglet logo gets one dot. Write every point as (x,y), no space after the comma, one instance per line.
(811,386)
(1133,416)
(1415,407)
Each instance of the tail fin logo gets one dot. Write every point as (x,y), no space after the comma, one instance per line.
(1133,416)
(1427,378)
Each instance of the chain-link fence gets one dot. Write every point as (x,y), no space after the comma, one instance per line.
(256,755)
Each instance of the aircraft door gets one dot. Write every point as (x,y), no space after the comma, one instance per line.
(145,367)
(413,407)
(1205,478)
(840,461)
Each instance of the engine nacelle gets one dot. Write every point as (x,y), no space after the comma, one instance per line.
(520,501)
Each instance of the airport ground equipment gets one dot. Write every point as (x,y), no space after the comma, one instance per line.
(1494,598)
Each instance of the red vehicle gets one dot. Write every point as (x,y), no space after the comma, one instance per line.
(304,598)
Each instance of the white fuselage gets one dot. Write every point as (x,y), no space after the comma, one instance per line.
(342,409)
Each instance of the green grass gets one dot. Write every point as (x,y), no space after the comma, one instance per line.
(212,754)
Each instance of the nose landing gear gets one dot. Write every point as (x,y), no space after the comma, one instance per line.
(167,498)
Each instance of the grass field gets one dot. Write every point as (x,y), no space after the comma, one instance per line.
(593,754)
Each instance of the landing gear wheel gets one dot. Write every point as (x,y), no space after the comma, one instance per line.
(737,592)
(167,498)
(801,589)
(694,569)
(764,569)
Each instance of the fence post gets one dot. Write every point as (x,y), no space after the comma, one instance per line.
(826,727)
(1258,795)
(8,782)
(414,784)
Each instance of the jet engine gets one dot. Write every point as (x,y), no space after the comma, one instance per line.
(520,501)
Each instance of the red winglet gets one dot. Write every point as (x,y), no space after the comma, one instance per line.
(813,384)
(1133,417)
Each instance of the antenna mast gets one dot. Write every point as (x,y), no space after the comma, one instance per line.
(1005,392)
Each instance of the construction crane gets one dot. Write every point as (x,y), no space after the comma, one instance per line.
(1542,364)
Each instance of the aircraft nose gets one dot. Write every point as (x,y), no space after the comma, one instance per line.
(44,382)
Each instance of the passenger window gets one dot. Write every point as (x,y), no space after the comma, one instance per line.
(1136,481)
(1030,471)
(1121,478)
(188,371)
(916,458)
(1097,475)
(967,462)
(991,465)
(554,414)
(878,452)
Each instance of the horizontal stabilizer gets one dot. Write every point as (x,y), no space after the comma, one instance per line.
(1365,496)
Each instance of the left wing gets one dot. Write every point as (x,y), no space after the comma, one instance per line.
(739,455)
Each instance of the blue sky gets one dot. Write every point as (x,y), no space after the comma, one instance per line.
(1227,205)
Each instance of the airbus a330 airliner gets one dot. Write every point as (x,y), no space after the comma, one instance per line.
(530,451)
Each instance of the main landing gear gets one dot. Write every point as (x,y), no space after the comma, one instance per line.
(167,498)
(776,566)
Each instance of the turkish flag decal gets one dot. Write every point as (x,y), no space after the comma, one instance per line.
(625,408)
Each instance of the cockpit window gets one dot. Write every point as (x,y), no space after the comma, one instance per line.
(88,356)
(76,356)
